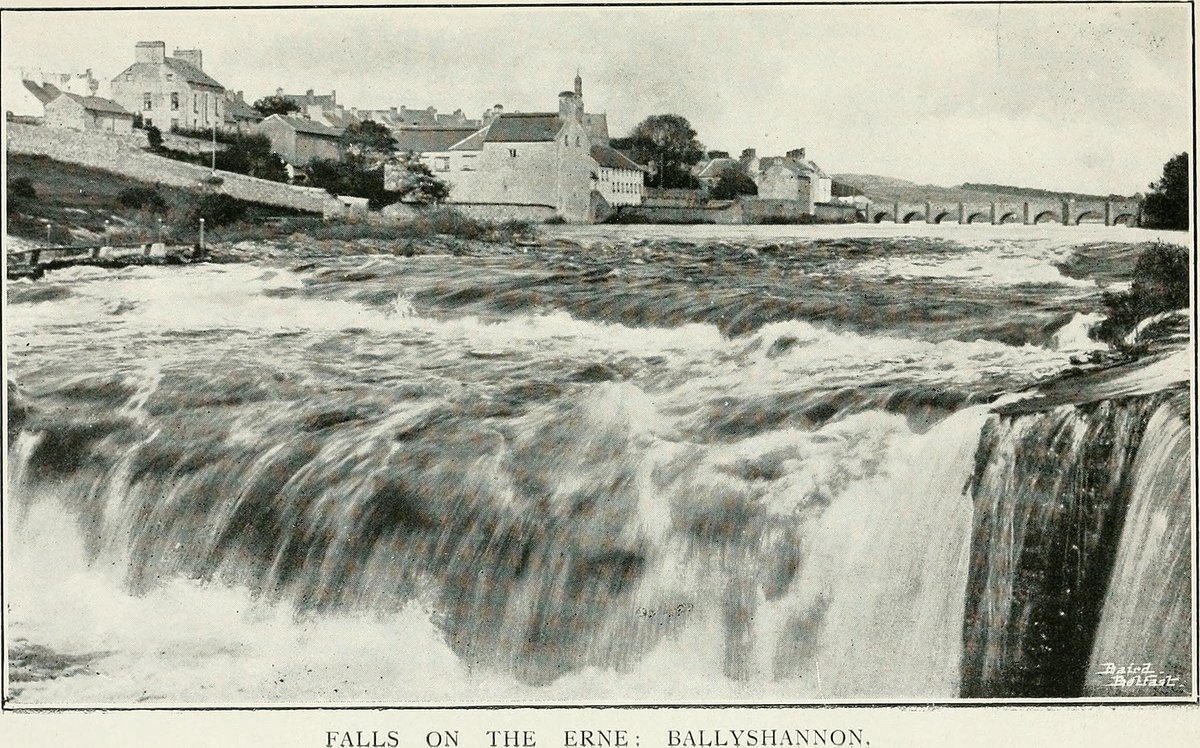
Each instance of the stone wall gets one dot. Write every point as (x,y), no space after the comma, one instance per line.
(122,154)
(177,142)
(662,211)
(759,210)
(501,212)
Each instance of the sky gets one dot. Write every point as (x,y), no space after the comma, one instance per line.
(1073,97)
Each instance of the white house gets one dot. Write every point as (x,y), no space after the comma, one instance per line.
(553,160)
(87,113)
(170,91)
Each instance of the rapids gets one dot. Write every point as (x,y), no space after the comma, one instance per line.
(635,465)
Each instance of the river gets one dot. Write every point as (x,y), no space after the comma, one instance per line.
(631,465)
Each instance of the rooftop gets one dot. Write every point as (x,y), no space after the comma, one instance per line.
(536,127)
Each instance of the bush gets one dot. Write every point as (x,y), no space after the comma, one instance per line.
(1160,284)
(218,209)
(154,137)
(21,189)
(139,198)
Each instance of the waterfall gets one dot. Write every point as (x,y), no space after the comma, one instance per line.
(1050,492)
(1148,610)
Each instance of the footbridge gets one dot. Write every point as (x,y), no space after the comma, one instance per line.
(1028,212)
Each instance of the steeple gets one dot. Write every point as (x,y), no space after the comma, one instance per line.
(578,85)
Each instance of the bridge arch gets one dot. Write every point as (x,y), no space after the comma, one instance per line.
(1047,216)
(915,215)
(882,216)
(1091,216)
(944,215)
(978,218)
(1126,218)
(1009,217)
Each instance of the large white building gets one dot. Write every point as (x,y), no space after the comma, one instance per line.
(553,160)
(170,91)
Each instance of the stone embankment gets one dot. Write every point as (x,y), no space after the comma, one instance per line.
(123,154)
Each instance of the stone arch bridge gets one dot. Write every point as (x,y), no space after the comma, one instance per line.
(1028,212)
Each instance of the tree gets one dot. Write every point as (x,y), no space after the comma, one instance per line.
(1167,205)
(370,142)
(251,154)
(416,183)
(669,143)
(732,184)
(269,105)
(1160,284)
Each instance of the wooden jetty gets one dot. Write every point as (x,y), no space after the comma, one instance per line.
(33,263)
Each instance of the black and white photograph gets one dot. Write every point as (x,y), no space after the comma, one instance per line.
(636,356)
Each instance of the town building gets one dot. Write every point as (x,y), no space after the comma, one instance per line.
(559,161)
(790,177)
(300,141)
(87,113)
(239,115)
(309,103)
(80,84)
(618,179)
(708,171)
(170,92)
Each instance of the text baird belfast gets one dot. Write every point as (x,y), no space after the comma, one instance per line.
(763,738)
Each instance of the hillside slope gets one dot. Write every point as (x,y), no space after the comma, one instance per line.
(890,188)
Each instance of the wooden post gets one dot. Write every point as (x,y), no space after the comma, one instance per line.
(201,234)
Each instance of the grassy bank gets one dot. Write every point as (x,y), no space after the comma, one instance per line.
(77,203)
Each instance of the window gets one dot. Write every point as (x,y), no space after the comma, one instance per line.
(174,101)
(195,103)
(512,152)
(576,141)
(567,140)
(147,101)
(170,76)
(129,76)
(441,163)
(468,163)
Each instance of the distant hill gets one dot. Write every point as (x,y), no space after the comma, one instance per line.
(890,188)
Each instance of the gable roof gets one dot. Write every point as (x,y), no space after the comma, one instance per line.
(98,104)
(611,158)
(714,168)
(429,139)
(473,143)
(796,166)
(185,70)
(237,109)
(191,73)
(538,127)
(45,92)
(306,126)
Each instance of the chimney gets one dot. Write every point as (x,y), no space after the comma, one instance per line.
(193,57)
(749,154)
(797,154)
(498,108)
(152,52)
(578,86)
(279,92)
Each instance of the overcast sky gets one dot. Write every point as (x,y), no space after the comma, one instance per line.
(1083,97)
